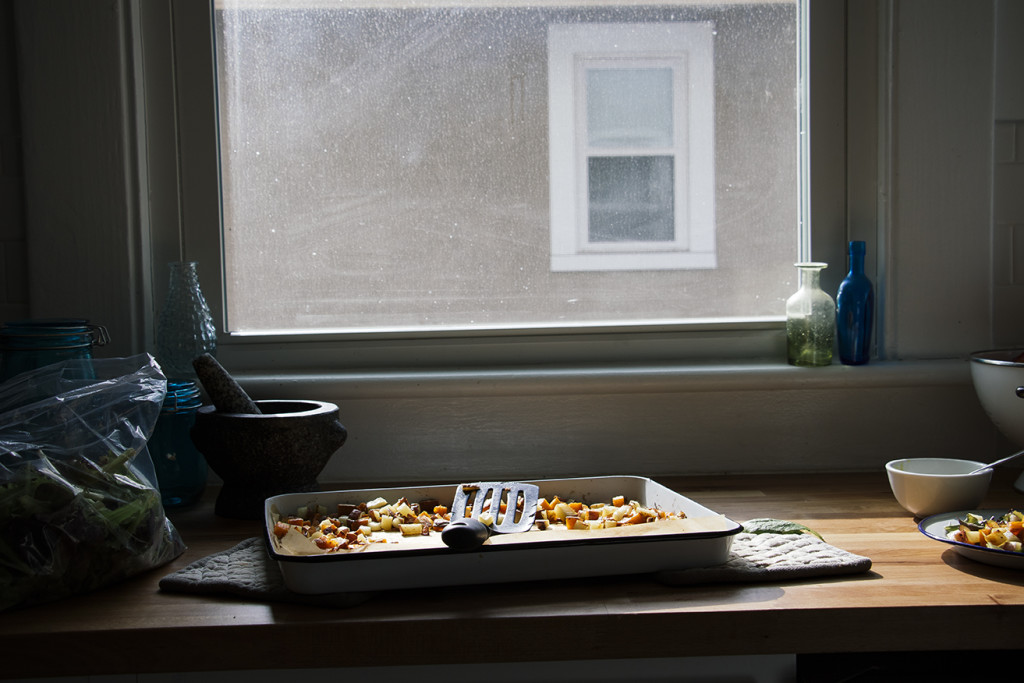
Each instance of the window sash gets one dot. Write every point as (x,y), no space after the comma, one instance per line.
(674,149)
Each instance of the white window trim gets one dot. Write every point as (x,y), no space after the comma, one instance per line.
(688,49)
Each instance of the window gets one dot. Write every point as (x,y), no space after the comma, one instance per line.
(447,406)
(392,169)
(631,136)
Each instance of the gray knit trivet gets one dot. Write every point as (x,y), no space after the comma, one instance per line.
(773,557)
(247,571)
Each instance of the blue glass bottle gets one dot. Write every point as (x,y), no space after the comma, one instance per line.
(855,304)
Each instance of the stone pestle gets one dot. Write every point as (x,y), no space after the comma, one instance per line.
(225,393)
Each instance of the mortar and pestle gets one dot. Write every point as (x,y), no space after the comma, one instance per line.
(261,448)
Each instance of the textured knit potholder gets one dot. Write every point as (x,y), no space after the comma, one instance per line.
(773,557)
(247,571)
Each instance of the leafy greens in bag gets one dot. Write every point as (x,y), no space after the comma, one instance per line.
(79,504)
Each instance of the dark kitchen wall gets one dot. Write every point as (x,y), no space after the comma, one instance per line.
(13,253)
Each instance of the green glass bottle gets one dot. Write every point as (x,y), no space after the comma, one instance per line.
(810,320)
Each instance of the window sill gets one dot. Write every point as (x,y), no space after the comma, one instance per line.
(609,378)
(654,420)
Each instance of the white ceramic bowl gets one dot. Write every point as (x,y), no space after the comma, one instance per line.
(998,377)
(999,383)
(928,486)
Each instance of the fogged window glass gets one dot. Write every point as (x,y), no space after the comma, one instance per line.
(388,165)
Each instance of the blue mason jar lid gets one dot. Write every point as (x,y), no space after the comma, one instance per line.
(182,396)
(51,333)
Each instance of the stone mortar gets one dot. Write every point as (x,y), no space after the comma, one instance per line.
(283,449)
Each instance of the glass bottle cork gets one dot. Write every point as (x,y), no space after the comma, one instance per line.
(810,320)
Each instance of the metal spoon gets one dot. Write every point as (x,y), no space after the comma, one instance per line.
(997,462)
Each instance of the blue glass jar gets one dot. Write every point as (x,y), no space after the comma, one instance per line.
(29,344)
(180,467)
(855,304)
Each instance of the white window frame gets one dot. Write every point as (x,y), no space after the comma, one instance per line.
(171,73)
(686,49)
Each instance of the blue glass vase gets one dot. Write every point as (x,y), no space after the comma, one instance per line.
(185,327)
(855,304)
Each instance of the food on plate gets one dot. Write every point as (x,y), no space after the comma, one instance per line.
(355,526)
(1003,532)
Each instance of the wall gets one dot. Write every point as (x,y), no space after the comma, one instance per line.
(13,251)
(84,248)
(940,162)
(1008,173)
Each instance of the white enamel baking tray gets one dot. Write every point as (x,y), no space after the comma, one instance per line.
(704,541)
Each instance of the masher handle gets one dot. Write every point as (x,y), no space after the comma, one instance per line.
(465,534)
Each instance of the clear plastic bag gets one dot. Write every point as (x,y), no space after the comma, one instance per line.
(79,503)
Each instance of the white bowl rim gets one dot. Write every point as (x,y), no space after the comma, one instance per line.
(891,467)
(983,358)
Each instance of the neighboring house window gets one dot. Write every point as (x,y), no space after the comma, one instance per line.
(631,137)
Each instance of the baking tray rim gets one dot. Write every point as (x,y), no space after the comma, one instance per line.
(734,529)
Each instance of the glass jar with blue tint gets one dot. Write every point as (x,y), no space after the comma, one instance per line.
(30,344)
(180,467)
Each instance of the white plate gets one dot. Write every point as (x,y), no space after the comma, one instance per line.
(935,527)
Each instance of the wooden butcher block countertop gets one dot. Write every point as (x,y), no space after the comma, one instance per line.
(920,595)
